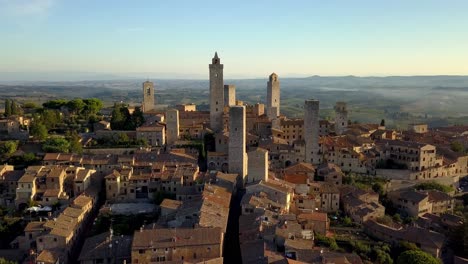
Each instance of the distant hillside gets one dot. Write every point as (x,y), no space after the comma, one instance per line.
(398,99)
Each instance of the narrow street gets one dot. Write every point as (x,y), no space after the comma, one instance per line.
(232,254)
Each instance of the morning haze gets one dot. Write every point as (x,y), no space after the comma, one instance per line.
(244,132)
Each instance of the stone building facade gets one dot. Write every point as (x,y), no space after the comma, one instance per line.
(311,131)
(172,126)
(341,117)
(229,95)
(237,141)
(257,165)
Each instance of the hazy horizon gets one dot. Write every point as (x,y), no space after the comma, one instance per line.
(28,77)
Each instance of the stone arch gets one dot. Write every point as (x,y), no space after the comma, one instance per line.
(224,167)
(212,166)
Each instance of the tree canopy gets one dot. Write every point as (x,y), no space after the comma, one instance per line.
(123,120)
(416,257)
(58,145)
(8,147)
(457,147)
(85,107)
(38,131)
(432,185)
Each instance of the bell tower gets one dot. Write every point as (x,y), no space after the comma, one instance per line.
(148,96)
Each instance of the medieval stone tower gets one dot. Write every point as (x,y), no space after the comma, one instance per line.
(216,94)
(273,96)
(229,95)
(148,96)
(172,126)
(311,131)
(237,158)
(341,117)
(257,165)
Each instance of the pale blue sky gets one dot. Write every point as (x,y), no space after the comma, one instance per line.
(253,38)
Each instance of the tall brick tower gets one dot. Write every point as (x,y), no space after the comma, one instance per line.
(229,95)
(311,131)
(172,126)
(341,117)
(273,96)
(148,96)
(237,158)
(216,94)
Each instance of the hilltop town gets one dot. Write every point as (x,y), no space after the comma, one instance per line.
(235,183)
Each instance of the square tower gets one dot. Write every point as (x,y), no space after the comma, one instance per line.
(257,165)
(237,141)
(148,97)
(172,126)
(311,131)
(229,95)
(341,117)
(216,94)
(273,96)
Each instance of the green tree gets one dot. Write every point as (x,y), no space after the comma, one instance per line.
(92,106)
(378,188)
(49,117)
(29,157)
(29,105)
(123,139)
(5,261)
(38,131)
(361,248)
(56,145)
(397,218)
(15,109)
(9,147)
(382,123)
(416,257)
(55,104)
(76,106)
(347,221)
(382,257)
(7,107)
(75,144)
(432,185)
(137,117)
(457,147)
(118,118)
(405,246)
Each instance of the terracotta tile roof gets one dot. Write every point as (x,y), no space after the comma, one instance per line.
(52,193)
(316,216)
(165,238)
(97,247)
(34,226)
(296,178)
(172,204)
(73,212)
(302,167)
(49,256)
(82,201)
(438,196)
